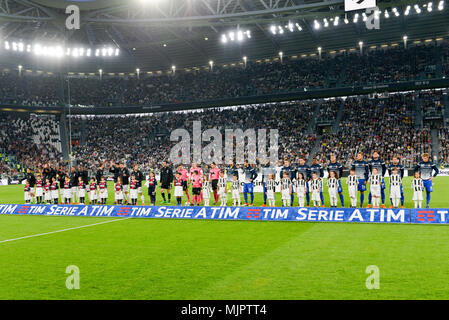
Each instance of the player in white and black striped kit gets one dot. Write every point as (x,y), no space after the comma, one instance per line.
(418,188)
(352,181)
(222,189)
(286,189)
(271,190)
(332,187)
(301,189)
(395,187)
(235,189)
(316,185)
(375,181)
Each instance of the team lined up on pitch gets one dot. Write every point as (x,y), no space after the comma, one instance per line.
(306,182)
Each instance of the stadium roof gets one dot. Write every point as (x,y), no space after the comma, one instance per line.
(156,34)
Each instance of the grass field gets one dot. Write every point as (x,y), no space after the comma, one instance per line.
(186,259)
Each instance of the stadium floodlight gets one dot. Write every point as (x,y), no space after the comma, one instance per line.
(417,9)
(245,59)
(239,36)
(88,52)
(364,16)
(404,38)
(281,30)
(337,18)
(407,11)
(346,20)
(281,55)
(316,25)
(173,68)
(14,46)
(248,34)
(7,47)
(20,46)
(356,18)
(429,6)
(117,51)
(361,46)
(211,64)
(298,27)
(395,11)
(231,35)
(28,47)
(290,27)
(224,39)
(273,29)
(386,14)
(441,5)
(81,51)
(326,23)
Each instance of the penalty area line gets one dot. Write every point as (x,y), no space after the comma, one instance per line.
(62,230)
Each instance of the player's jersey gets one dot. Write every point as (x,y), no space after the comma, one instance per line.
(102,185)
(206,185)
(375,180)
(316,185)
(417,185)
(192,172)
(222,183)
(290,170)
(426,169)
(178,182)
(332,183)
(93,186)
(54,186)
(214,174)
(352,181)
(39,184)
(152,183)
(300,184)
(286,183)
(395,180)
(118,187)
(134,185)
(378,164)
(184,174)
(266,171)
(47,187)
(27,188)
(271,185)
(249,174)
(336,167)
(67,185)
(197,180)
(318,169)
(81,185)
(235,185)
(361,169)
(400,168)
(231,171)
(305,170)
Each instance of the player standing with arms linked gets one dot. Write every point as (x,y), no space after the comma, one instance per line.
(166,178)
(291,172)
(395,164)
(379,164)
(426,169)
(304,169)
(249,175)
(335,166)
(318,169)
(361,170)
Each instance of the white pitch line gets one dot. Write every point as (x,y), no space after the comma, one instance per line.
(68,229)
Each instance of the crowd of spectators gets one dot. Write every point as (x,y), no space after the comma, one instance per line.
(28,141)
(269,76)
(432,103)
(382,124)
(443,136)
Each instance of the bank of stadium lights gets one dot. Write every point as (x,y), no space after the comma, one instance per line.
(292,27)
(58,51)
(235,36)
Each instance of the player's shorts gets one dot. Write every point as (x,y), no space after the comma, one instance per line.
(81,193)
(428,185)
(133,194)
(196,191)
(375,191)
(215,184)
(67,193)
(395,192)
(119,195)
(248,187)
(285,194)
(417,196)
(235,194)
(74,191)
(93,195)
(39,192)
(126,188)
(55,194)
(27,196)
(165,185)
(47,196)
(103,195)
(361,186)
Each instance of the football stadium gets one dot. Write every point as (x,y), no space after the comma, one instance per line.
(224,150)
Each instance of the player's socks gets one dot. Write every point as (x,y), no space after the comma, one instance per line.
(245,196)
(308,198)
(382,194)
(342,200)
(322,198)
(264,198)
(370,198)
(252,197)
(427,199)
(362,198)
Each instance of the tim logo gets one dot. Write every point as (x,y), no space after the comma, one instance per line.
(123,211)
(426,216)
(253,214)
(23,209)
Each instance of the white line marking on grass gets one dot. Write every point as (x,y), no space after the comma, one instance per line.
(68,229)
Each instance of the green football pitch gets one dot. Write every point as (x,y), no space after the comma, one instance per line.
(186,259)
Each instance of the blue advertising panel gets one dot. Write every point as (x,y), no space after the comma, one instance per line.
(216,213)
